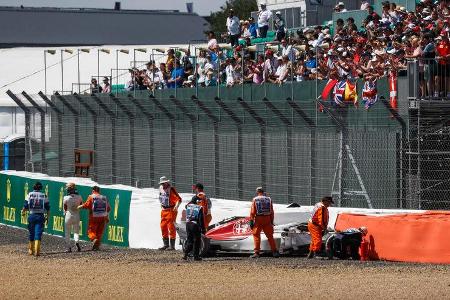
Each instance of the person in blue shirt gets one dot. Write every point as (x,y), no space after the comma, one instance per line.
(194,228)
(252,27)
(38,206)
(177,76)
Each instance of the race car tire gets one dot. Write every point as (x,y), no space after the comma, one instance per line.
(204,247)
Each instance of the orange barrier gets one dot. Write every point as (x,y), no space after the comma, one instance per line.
(404,237)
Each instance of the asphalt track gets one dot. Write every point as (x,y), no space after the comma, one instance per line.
(118,273)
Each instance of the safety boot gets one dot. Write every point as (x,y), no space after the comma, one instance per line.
(37,248)
(172,245)
(30,247)
(276,254)
(311,254)
(256,255)
(166,244)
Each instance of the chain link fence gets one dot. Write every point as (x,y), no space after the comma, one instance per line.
(272,136)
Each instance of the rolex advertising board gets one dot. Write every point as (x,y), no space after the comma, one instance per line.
(14,189)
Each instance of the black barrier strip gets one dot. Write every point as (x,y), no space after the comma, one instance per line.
(290,160)
(131,120)
(42,145)
(59,114)
(215,121)
(95,129)
(150,119)
(238,123)
(27,123)
(113,136)
(171,117)
(262,127)
(193,135)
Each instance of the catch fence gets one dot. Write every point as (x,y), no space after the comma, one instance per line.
(278,137)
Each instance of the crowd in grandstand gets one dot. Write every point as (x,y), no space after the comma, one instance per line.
(380,46)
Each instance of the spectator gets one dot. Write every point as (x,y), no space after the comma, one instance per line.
(177,74)
(351,25)
(287,50)
(340,7)
(233,27)
(246,30)
(212,42)
(231,76)
(253,27)
(95,87)
(258,70)
(279,25)
(170,58)
(154,77)
(269,65)
(283,70)
(443,56)
(106,86)
(264,16)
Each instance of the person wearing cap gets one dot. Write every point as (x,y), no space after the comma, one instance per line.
(170,201)
(194,229)
(317,224)
(201,199)
(261,219)
(177,75)
(233,28)
(106,89)
(72,216)
(38,206)
(99,208)
(252,27)
(279,25)
(264,16)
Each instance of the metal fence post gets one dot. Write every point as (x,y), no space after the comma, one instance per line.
(313,153)
(27,125)
(240,163)
(42,115)
(150,119)
(131,119)
(290,161)
(262,127)
(59,114)
(112,115)
(215,121)
(95,129)
(171,117)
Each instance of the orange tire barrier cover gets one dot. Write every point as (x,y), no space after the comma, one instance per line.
(421,237)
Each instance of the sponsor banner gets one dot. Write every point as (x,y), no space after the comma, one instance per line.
(14,189)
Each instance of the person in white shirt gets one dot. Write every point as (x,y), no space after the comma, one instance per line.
(287,50)
(154,76)
(230,72)
(234,28)
(264,16)
(72,216)
(212,42)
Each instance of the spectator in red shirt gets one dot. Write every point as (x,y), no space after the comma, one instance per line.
(443,57)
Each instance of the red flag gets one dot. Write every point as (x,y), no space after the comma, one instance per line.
(328,88)
(393,90)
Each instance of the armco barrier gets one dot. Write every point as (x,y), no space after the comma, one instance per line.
(13,190)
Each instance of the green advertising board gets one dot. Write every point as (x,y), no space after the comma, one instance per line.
(14,189)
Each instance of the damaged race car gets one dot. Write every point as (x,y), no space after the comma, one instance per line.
(234,235)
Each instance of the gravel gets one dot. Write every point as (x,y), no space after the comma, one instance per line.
(119,273)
